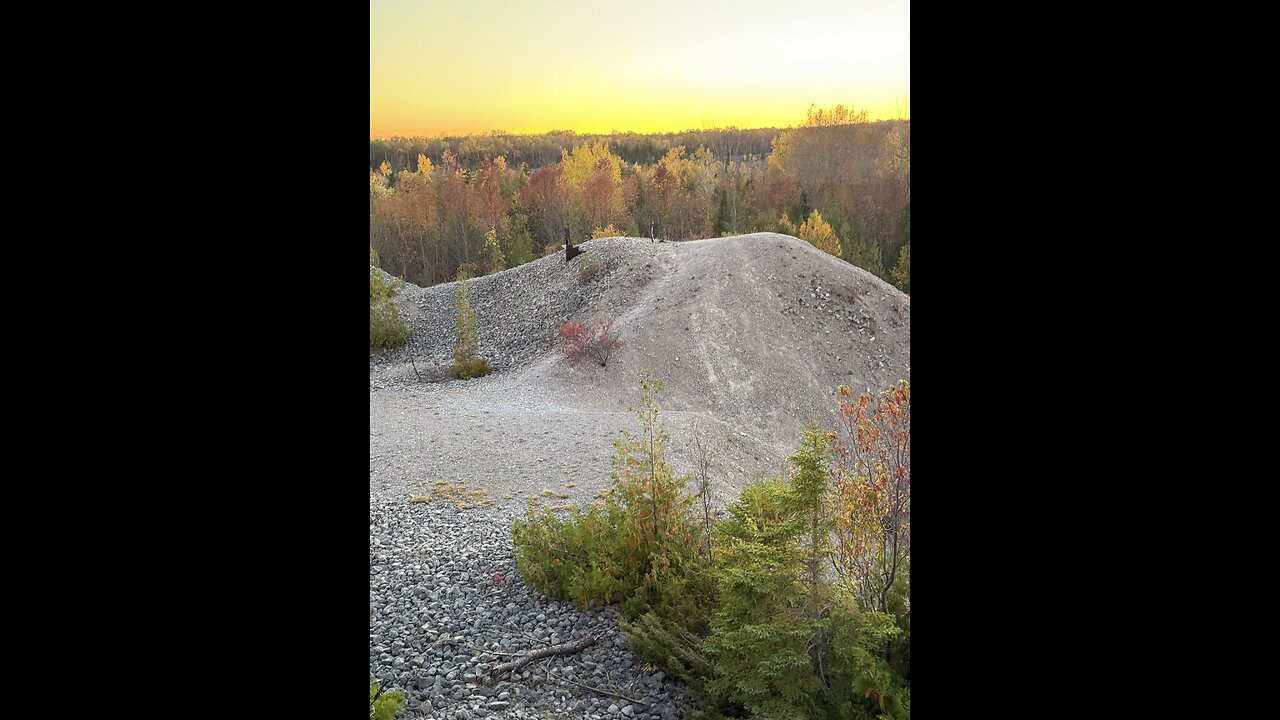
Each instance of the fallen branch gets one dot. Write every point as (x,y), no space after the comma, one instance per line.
(566,649)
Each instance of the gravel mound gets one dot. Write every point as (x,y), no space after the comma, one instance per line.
(517,311)
(436,607)
(715,292)
(752,335)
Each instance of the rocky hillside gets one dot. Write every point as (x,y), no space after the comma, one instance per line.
(756,330)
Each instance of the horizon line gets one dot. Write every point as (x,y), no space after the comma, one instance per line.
(484,133)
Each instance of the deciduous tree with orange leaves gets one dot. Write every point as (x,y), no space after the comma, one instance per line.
(871,483)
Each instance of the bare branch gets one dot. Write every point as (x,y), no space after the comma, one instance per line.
(566,649)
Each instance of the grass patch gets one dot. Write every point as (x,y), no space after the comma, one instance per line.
(420,499)
(462,497)
(547,492)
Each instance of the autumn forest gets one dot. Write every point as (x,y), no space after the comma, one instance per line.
(490,202)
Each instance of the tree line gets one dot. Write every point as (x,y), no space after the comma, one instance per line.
(472,210)
(534,151)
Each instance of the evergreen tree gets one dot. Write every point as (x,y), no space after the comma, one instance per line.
(861,251)
(758,642)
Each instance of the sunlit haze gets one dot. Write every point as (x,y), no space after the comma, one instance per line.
(528,66)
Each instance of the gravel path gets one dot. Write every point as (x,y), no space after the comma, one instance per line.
(513,441)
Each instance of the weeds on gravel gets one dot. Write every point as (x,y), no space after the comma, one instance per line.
(384,705)
(460,496)
(467,362)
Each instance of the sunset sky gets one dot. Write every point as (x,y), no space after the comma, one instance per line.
(594,66)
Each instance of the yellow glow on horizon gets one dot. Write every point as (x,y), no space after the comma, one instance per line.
(521,66)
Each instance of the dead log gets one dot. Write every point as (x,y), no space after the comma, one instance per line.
(565,649)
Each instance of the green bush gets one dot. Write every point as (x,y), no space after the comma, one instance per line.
(570,559)
(386,329)
(639,549)
(478,367)
(383,705)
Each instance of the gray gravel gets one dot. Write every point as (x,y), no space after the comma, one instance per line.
(435,607)
(517,311)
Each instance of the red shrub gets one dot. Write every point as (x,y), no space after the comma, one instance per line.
(575,337)
(580,339)
(606,342)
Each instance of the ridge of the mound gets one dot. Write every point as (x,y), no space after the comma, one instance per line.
(519,309)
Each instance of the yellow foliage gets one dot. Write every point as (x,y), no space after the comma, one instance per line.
(818,232)
(839,115)
(787,225)
(378,185)
(581,164)
(385,169)
(494,259)
(424,165)
(607,231)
